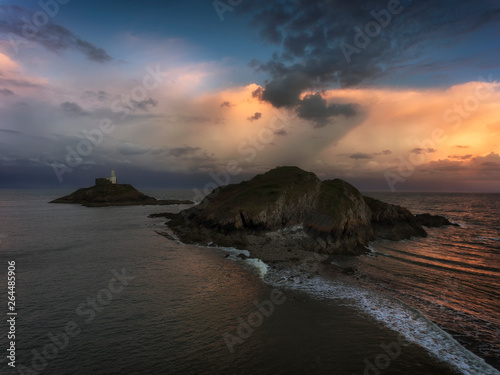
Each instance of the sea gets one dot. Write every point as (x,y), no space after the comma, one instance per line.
(101,291)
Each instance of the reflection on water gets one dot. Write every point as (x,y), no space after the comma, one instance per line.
(453,276)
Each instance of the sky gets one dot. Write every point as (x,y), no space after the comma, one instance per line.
(387,95)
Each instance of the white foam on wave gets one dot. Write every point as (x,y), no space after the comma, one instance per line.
(234,251)
(394,314)
(258,265)
(463,224)
(371,249)
(261,267)
(488,238)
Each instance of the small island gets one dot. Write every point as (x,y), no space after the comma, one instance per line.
(107,192)
(288,214)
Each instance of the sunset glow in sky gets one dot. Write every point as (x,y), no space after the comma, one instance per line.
(388,95)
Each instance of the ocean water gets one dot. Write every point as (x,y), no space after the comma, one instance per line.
(453,276)
(98,291)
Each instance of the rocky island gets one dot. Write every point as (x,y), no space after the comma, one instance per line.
(287,214)
(106,192)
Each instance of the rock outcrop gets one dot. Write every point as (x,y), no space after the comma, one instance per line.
(288,208)
(113,195)
(433,221)
(392,222)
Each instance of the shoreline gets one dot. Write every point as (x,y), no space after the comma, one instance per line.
(304,271)
(442,346)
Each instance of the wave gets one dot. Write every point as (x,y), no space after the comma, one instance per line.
(488,238)
(468,269)
(410,323)
(234,254)
(261,267)
(394,314)
(258,265)
(436,261)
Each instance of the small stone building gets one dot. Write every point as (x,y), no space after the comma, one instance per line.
(106,181)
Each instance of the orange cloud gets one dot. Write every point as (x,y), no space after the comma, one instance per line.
(13,80)
(7,64)
(402,120)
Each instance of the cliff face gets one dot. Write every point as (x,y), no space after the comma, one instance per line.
(340,221)
(393,222)
(282,197)
(112,195)
(324,216)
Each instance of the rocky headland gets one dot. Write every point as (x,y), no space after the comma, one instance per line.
(290,215)
(113,195)
(433,221)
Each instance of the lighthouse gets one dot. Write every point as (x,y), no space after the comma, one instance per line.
(112,179)
(106,181)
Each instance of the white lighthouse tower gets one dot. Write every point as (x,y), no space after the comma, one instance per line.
(112,179)
(107,180)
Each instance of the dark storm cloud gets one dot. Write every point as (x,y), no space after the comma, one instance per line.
(419,151)
(143,105)
(443,166)
(92,52)
(52,36)
(309,36)
(360,155)
(138,176)
(460,157)
(256,116)
(363,155)
(132,149)
(6,92)
(285,91)
(182,151)
(490,164)
(472,166)
(315,108)
(191,119)
(258,93)
(73,109)
(129,148)
(98,95)
(270,20)
(281,132)
(385,152)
